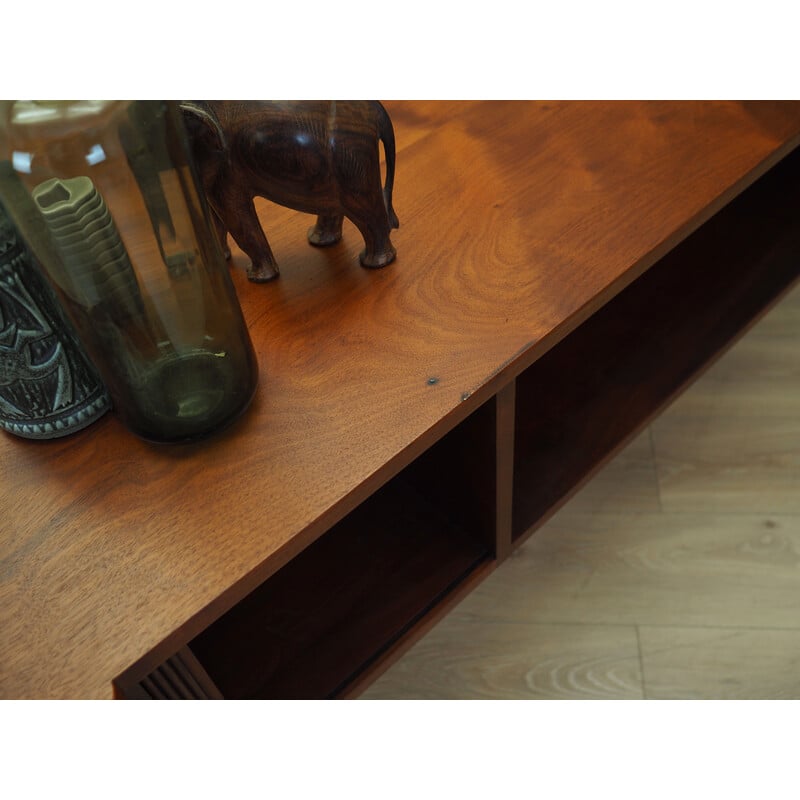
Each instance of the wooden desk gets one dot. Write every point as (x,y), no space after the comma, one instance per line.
(564,269)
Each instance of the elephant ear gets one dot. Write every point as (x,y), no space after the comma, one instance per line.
(203,125)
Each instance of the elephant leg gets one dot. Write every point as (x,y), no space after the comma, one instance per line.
(222,234)
(328,230)
(379,249)
(241,220)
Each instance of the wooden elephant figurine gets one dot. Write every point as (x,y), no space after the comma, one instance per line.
(317,157)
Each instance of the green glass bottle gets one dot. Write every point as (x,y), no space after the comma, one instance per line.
(106,197)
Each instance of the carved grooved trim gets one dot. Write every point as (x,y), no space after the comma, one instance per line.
(180,677)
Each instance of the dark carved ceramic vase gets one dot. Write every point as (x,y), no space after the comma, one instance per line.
(47,387)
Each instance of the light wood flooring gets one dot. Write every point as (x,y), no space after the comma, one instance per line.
(675,573)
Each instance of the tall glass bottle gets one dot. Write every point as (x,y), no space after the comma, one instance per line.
(106,196)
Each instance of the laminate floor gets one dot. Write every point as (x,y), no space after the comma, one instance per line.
(675,573)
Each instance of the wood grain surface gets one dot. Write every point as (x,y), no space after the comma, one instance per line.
(518,221)
(466,660)
(698,577)
(714,453)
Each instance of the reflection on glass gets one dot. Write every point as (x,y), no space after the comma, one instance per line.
(106,197)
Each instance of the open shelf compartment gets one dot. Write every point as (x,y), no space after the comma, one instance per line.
(326,617)
(590,394)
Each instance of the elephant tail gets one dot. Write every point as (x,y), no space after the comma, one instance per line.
(386,135)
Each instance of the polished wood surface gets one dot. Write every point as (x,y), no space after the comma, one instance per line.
(675,572)
(519,221)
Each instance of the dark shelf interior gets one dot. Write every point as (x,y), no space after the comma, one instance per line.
(592,392)
(458,474)
(324,618)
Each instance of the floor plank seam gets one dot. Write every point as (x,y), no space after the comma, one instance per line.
(468,619)
(642,678)
(579,513)
(654,457)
